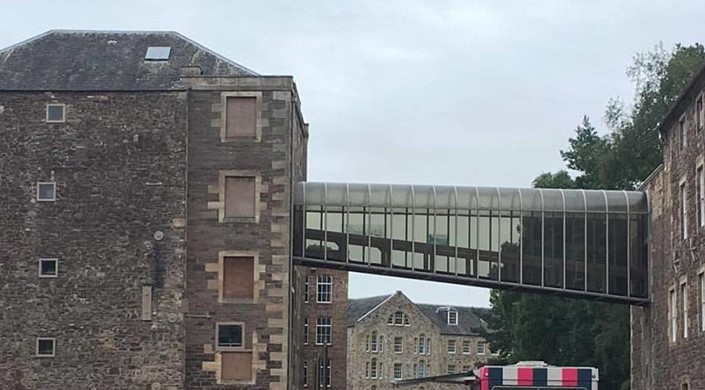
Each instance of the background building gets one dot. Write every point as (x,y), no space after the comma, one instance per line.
(144,215)
(390,337)
(668,336)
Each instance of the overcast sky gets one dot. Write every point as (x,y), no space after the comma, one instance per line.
(405,91)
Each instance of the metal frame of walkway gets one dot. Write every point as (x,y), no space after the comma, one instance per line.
(578,243)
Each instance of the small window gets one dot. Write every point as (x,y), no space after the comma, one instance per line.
(684,211)
(48,268)
(46,191)
(699,114)
(398,344)
(46,347)
(306,331)
(451,346)
(451,369)
(157,53)
(241,117)
(323,330)
(701,299)
(230,336)
(306,290)
(684,308)
(452,317)
(480,347)
(466,347)
(324,289)
(305,373)
(466,368)
(672,314)
(700,194)
(55,113)
(682,130)
(397,371)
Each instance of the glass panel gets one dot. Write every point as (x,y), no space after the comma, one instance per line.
(355,228)
(298,230)
(637,202)
(574,200)
(595,200)
(314,193)
(639,256)
(336,194)
(552,200)
(575,251)
(509,199)
(510,245)
(444,252)
(488,198)
(531,200)
(314,235)
(616,201)
(596,252)
(532,246)
(553,249)
(379,195)
(618,243)
(334,234)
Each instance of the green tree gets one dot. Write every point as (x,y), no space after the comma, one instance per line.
(576,332)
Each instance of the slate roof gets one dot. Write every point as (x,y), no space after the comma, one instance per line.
(68,60)
(359,307)
(468,322)
(468,317)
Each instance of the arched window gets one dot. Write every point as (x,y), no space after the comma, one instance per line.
(373,342)
(421,372)
(373,368)
(398,318)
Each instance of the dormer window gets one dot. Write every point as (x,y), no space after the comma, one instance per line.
(452,317)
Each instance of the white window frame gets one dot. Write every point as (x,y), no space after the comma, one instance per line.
(53,194)
(683,132)
(53,347)
(422,344)
(306,331)
(323,323)
(324,289)
(672,302)
(481,347)
(699,112)
(452,320)
(305,373)
(63,113)
(374,345)
(452,346)
(306,285)
(684,209)
(451,369)
(700,193)
(373,368)
(56,268)
(218,347)
(421,371)
(400,371)
(468,350)
(684,307)
(701,297)
(400,344)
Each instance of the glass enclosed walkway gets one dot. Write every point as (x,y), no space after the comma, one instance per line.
(581,243)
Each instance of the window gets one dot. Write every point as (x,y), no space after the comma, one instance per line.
(397,371)
(157,53)
(684,211)
(48,268)
(324,289)
(701,298)
(306,290)
(324,374)
(241,117)
(451,369)
(305,373)
(367,369)
(452,317)
(466,368)
(238,277)
(46,347)
(699,114)
(398,344)
(46,192)
(398,319)
(421,371)
(684,308)
(306,331)
(672,313)
(466,347)
(373,342)
(700,190)
(495,352)
(55,113)
(381,343)
(229,336)
(480,347)
(323,330)
(451,346)
(422,344)
(240,199)
(373,368)
(367,343)
(683,133)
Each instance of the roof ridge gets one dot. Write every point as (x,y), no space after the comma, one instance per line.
(223,58)
(390,296)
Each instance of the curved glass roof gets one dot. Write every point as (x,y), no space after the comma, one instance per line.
(469,198)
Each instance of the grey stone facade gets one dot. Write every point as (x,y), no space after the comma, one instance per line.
(665,356)
(137,224)
(373,365)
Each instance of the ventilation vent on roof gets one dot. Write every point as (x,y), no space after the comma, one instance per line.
(157,53)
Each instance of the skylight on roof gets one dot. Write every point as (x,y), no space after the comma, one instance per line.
(157,53)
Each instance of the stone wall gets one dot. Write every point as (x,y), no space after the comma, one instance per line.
(657,361)
(118,162)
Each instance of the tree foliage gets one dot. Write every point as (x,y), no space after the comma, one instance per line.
(575,332)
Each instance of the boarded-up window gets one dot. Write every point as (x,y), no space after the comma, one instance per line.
(238,277)
(236,366)
(241,119)
(239,197)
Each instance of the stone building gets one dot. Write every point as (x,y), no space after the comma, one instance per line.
(668,336)
(392,338)
(323,356)
(144,216)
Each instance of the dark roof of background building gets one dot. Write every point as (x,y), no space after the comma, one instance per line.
(469,318)
(67,60)
(359,307)
(468,322)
